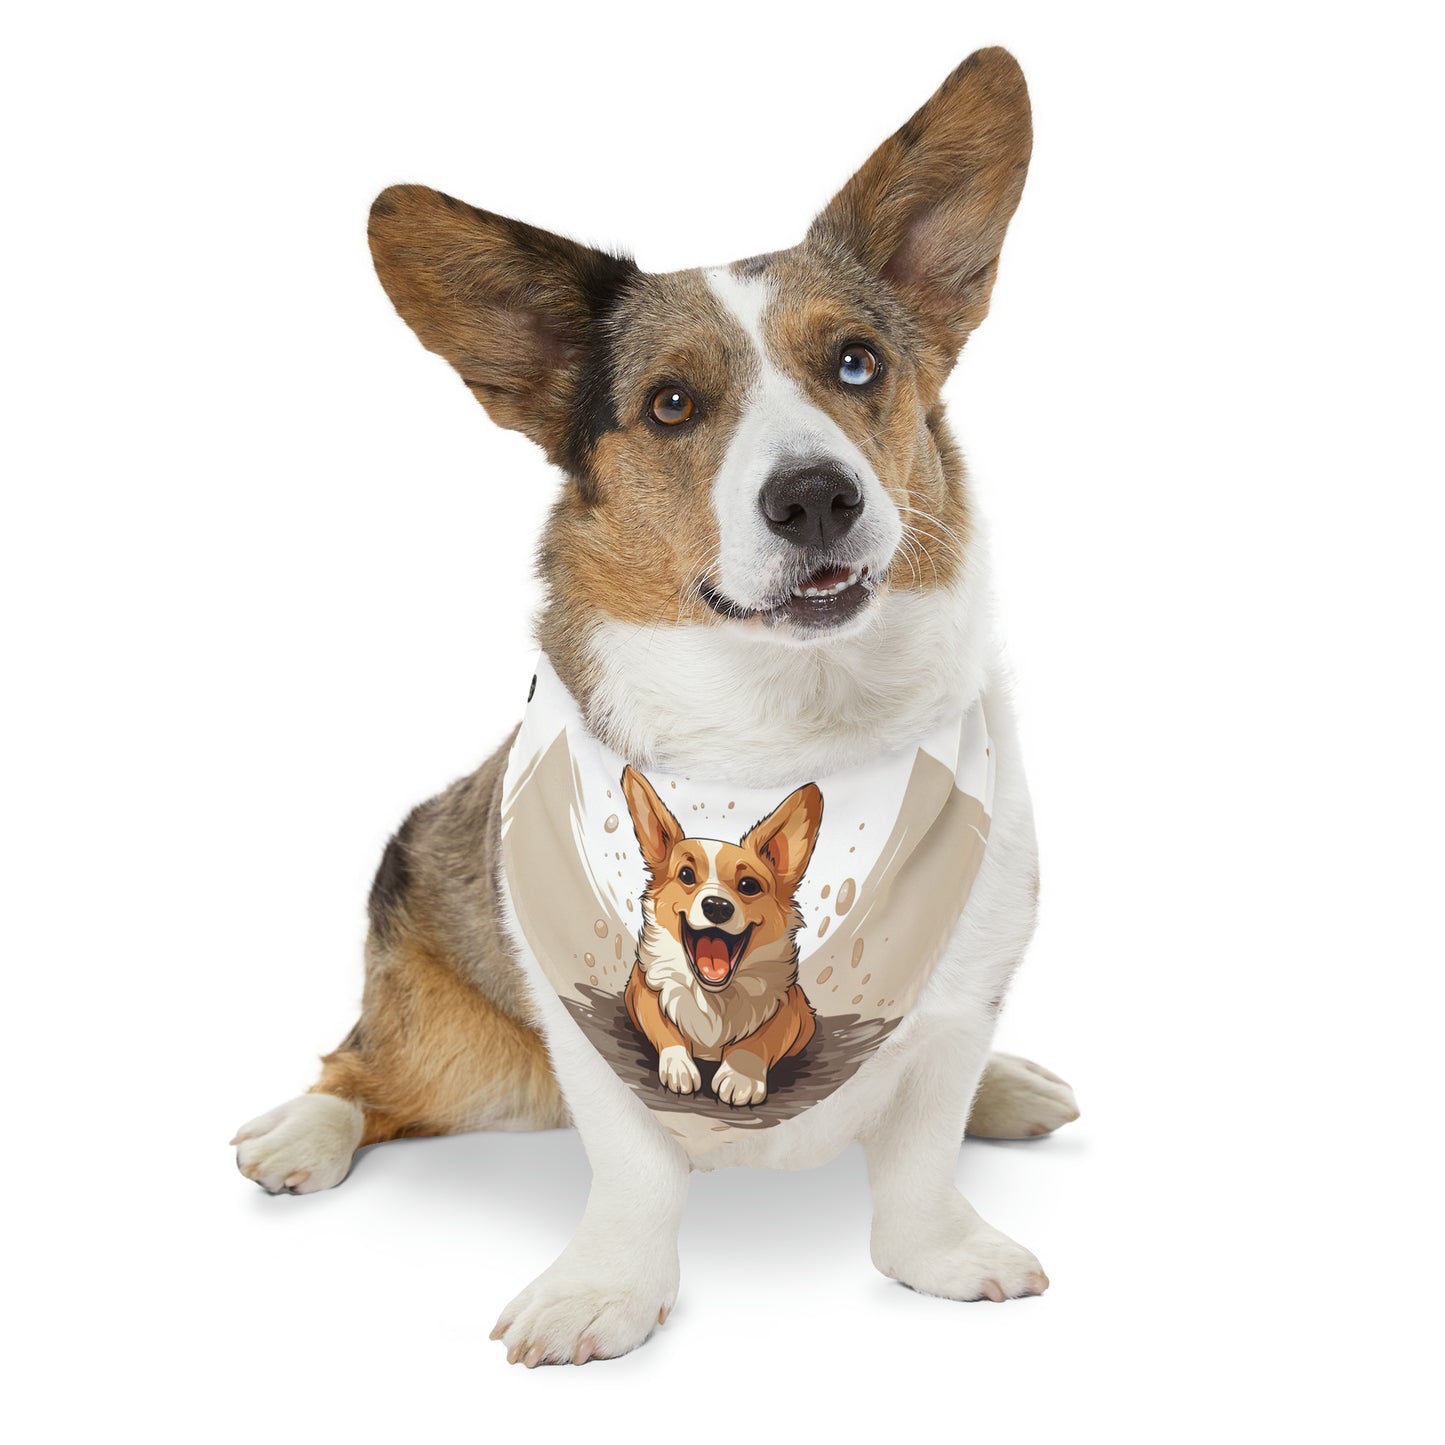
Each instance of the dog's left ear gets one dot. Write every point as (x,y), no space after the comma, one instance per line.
(787,835)
(928,211)
(516,310)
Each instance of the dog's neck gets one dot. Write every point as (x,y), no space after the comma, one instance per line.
(719,701)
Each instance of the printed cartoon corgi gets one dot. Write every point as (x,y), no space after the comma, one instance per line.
(716,976)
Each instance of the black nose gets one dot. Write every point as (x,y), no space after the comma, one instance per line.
(811,503)
(717,910)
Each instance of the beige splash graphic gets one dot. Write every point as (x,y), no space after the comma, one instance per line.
(899,917)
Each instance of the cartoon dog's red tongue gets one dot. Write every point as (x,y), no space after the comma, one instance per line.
(712,957)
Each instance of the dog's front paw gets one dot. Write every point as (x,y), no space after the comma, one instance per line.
(573,1313)
(677,1071)
(979,1263)
(741,1079)
(301,1146)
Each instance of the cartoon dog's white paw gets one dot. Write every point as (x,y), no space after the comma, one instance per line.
(677,1071)
(741,1079)
(1020,1100)
(980,1263)
(301,1146)
(578,1311)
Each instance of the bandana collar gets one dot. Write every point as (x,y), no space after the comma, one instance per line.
(729,987)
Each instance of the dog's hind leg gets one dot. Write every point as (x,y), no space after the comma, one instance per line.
(1017,1099)
(431,1054)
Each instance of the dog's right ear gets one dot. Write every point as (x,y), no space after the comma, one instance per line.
(658,832)
(515,309)
(928,211)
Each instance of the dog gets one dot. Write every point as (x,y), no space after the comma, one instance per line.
(716,975)
(762,564)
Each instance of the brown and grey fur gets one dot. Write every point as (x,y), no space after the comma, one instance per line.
(568,344)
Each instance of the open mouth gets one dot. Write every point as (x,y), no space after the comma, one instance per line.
(713,954)
(821,600)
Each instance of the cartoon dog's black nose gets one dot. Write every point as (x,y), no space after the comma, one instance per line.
(717,910)
(811,503)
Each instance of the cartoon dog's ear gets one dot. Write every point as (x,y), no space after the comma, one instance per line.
(658,832)
(787,835)
(514,308)
(928,211)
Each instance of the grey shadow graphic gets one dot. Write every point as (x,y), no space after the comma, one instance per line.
(842,1042)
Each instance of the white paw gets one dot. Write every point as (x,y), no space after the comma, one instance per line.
(578,1311)
(741,1079)
(301,1146)
(1019,1100)
(978,1264)
(677,1071)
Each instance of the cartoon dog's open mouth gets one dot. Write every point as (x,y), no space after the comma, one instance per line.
(712,953)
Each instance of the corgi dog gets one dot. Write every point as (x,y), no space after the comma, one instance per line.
(716,975)
(761,504)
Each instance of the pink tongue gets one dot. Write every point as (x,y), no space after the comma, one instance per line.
(712,958)
(828,577)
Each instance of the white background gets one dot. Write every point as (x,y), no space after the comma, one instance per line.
(265,586)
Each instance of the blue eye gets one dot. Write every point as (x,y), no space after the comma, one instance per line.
(857,366)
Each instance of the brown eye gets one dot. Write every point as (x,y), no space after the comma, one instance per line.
(687,876)
(671,405)
(749,887)
(857,366)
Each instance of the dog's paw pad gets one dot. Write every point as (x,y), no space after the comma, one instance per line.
(1018,1099)
(565,1318)
(677,1072)
(741,1079)
(982,1265)
(300,1147)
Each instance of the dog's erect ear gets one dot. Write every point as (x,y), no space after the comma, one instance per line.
(787,835)
(515,309)
(928,211)
(658,832)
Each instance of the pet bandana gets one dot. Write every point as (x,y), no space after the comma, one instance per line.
(895,849)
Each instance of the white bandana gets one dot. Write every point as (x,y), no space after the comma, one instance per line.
(894,854)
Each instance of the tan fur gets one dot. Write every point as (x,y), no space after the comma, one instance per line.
(897,422)
(445,1041)
(434,1055)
